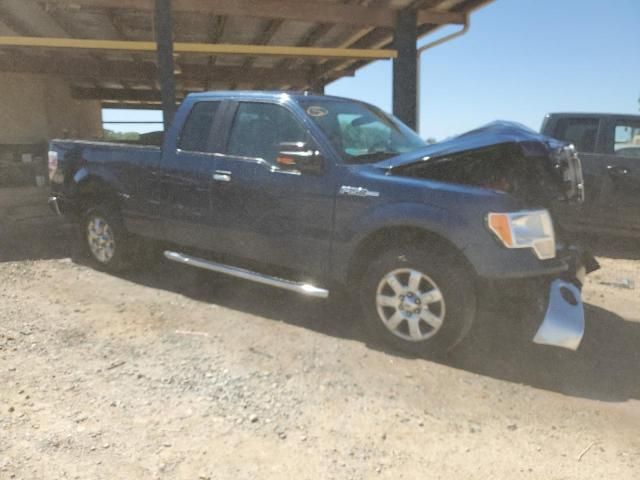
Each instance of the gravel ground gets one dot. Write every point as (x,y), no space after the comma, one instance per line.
(155,375)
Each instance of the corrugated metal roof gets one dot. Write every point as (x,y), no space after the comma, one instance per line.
(122,77)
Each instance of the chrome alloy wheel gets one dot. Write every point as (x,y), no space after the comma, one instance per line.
(101,240)
(410,304)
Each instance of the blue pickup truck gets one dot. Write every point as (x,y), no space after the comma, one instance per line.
(317,193)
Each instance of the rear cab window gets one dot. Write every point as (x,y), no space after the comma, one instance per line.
(626,139)
(582,132)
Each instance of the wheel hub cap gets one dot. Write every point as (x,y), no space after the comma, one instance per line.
(410,304)
(100,239)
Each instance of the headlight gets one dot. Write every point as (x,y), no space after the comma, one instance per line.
(525,229)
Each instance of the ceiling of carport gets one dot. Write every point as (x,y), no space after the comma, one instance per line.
(130,77)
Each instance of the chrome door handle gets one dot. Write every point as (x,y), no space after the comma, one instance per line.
(618,171)
(222,176)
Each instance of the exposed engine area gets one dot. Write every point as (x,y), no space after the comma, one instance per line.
(535,175)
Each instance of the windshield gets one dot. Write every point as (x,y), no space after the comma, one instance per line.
(360,132)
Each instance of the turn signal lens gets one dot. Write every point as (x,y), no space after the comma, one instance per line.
(500,225)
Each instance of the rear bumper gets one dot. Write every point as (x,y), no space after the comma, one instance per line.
(61,205)
(55,204)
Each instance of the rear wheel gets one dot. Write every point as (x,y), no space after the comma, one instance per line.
(419,300)
(107,243)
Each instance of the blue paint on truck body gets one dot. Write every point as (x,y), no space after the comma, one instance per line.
(302,223)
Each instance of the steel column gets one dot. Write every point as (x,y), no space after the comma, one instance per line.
(405,82)
(164,41)
(317,82)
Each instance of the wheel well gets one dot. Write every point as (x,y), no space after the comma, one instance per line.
(378,241)
(93,192)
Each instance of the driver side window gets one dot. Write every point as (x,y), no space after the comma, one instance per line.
(259,129)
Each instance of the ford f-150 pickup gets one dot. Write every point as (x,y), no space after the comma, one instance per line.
(315,193)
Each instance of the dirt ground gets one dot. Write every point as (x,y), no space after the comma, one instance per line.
(154,375)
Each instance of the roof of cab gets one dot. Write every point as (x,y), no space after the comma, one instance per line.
(261,94)
(591,114)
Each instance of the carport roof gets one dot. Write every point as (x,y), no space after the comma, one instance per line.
(126,73)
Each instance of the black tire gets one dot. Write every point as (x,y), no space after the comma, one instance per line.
(440,268)
(123,245)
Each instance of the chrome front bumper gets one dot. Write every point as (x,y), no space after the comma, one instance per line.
(563,324)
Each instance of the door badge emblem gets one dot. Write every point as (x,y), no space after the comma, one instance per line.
(357,192)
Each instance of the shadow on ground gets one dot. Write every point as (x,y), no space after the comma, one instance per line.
(28,229)
(611,247)
(604,368)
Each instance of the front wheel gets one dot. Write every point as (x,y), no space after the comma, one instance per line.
(418,299)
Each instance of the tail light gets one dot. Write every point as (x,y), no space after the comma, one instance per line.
(570,168)
(53,165)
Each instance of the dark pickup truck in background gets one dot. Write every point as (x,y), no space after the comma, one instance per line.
(313,193)
(609,149)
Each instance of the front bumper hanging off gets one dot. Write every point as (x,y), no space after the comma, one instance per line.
(563,324)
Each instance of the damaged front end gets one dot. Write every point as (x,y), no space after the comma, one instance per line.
(502,156)
(542,174)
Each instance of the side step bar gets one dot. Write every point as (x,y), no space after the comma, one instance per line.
(303,288)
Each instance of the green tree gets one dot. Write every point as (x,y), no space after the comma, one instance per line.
(113,136)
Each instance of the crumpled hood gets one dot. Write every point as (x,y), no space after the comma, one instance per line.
(498,132)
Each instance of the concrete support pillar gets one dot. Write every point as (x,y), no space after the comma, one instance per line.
(405,80)
(164,41)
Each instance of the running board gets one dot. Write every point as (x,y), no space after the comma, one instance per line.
(303,288)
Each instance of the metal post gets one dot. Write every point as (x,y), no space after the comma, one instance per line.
(164,42)
(318,88)
(317,83)
(405,84)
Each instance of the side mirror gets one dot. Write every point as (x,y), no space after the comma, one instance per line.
(299,156)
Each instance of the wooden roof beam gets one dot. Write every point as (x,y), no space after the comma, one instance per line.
(118,94)
(196,48)
(304,10)
(143,72)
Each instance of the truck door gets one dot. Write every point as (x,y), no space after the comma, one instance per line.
(186,176)
(621,184)
(263,213)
